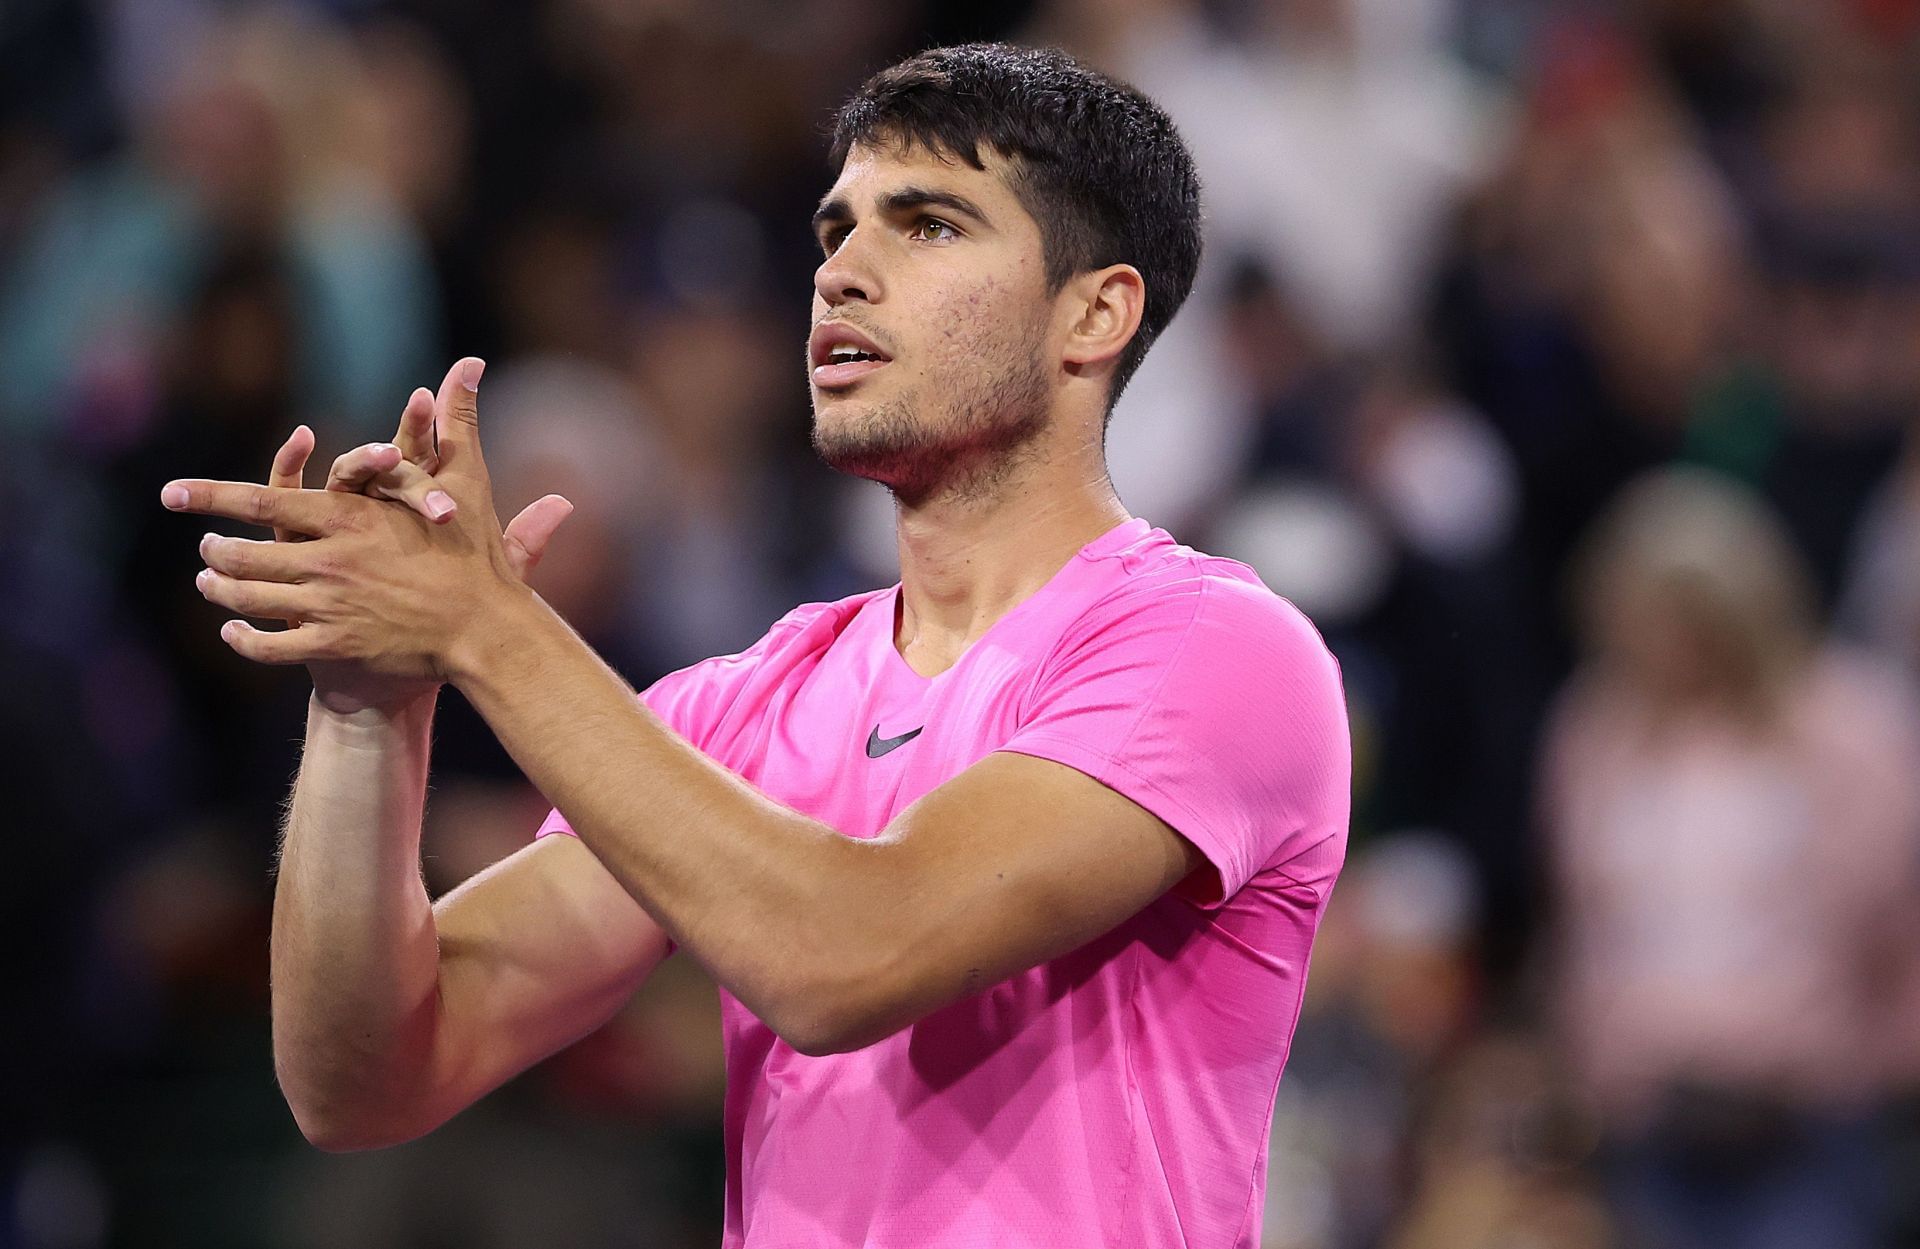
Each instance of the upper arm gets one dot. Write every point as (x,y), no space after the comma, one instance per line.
(1016,861)
(1193,730)
(535,952)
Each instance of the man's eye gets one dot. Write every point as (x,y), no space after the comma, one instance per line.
(830,241)
(933,230)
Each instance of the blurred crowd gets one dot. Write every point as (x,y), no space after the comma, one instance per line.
(1560,359)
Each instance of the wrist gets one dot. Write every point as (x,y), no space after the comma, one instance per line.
(371,725)
(496,630)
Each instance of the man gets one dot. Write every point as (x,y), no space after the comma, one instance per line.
(1008,873)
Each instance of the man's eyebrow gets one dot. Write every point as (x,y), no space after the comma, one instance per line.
(909,198)
(837,211)
(833,211)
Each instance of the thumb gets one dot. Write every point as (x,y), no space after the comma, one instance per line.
(527,534)
(456,415)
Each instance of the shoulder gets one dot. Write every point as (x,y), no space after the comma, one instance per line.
(1178,645)
(1190,604)
(1189,687)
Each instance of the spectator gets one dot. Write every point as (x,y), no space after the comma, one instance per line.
(1732,809)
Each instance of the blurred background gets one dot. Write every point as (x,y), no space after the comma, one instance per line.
(1561,360)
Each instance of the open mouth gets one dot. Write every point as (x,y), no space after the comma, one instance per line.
(840,356)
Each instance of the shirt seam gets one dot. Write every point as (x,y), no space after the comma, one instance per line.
(1147,703)
(1146,1118)
(1280,867)
(1059,646)
(1136,1105)
(1273,1098)
(1166,673)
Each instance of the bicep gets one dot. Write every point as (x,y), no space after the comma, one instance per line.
(1019,860)
(535,952)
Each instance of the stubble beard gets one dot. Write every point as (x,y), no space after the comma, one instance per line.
(964,454)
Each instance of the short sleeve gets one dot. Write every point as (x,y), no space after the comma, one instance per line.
(1215,705)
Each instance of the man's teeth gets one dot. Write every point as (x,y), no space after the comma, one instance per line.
(846,352)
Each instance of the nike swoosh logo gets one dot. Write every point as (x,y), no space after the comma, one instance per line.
(878,745)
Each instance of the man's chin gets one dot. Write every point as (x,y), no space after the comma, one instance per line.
(864,439)
(854,456)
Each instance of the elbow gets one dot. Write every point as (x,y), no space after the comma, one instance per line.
(853,987)
(837,1018)
(818,1037)
(334,1143)
(337,1136)
(819,1034)
(345,1102)
(340,1129)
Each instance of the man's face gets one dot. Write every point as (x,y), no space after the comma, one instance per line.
(936,269)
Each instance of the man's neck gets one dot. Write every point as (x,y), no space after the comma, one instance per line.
(964,564)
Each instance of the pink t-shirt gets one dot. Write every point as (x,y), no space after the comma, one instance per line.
(1120,1095)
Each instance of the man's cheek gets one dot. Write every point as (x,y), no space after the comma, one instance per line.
(971,325)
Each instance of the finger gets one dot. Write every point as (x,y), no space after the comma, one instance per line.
(289,468)
(290,461)
(418,489)
(351,472)
(248,559)
(311,512)
(417,439)
(268,600)
(457,416)
(527,534)
(286,646)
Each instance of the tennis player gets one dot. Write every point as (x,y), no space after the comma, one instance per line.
(1008,873)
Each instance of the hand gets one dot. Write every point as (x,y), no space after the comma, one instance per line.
(376,608)
(400,470)
(397,470)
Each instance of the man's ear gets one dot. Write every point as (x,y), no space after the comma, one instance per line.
(1105,306)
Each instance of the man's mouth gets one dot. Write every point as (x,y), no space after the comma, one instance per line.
(841,355)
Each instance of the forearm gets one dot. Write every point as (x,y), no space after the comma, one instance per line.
(772,902)
(355,962)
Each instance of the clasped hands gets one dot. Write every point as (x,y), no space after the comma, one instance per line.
(390,576)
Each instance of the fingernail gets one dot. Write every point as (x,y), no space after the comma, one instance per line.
(470,375)
(381,448)
(174,497)
(206,540)
(440,504)
(202,577)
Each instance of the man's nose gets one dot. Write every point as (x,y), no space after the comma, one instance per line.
(849,273)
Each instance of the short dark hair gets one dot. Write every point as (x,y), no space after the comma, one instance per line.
(1098,165)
